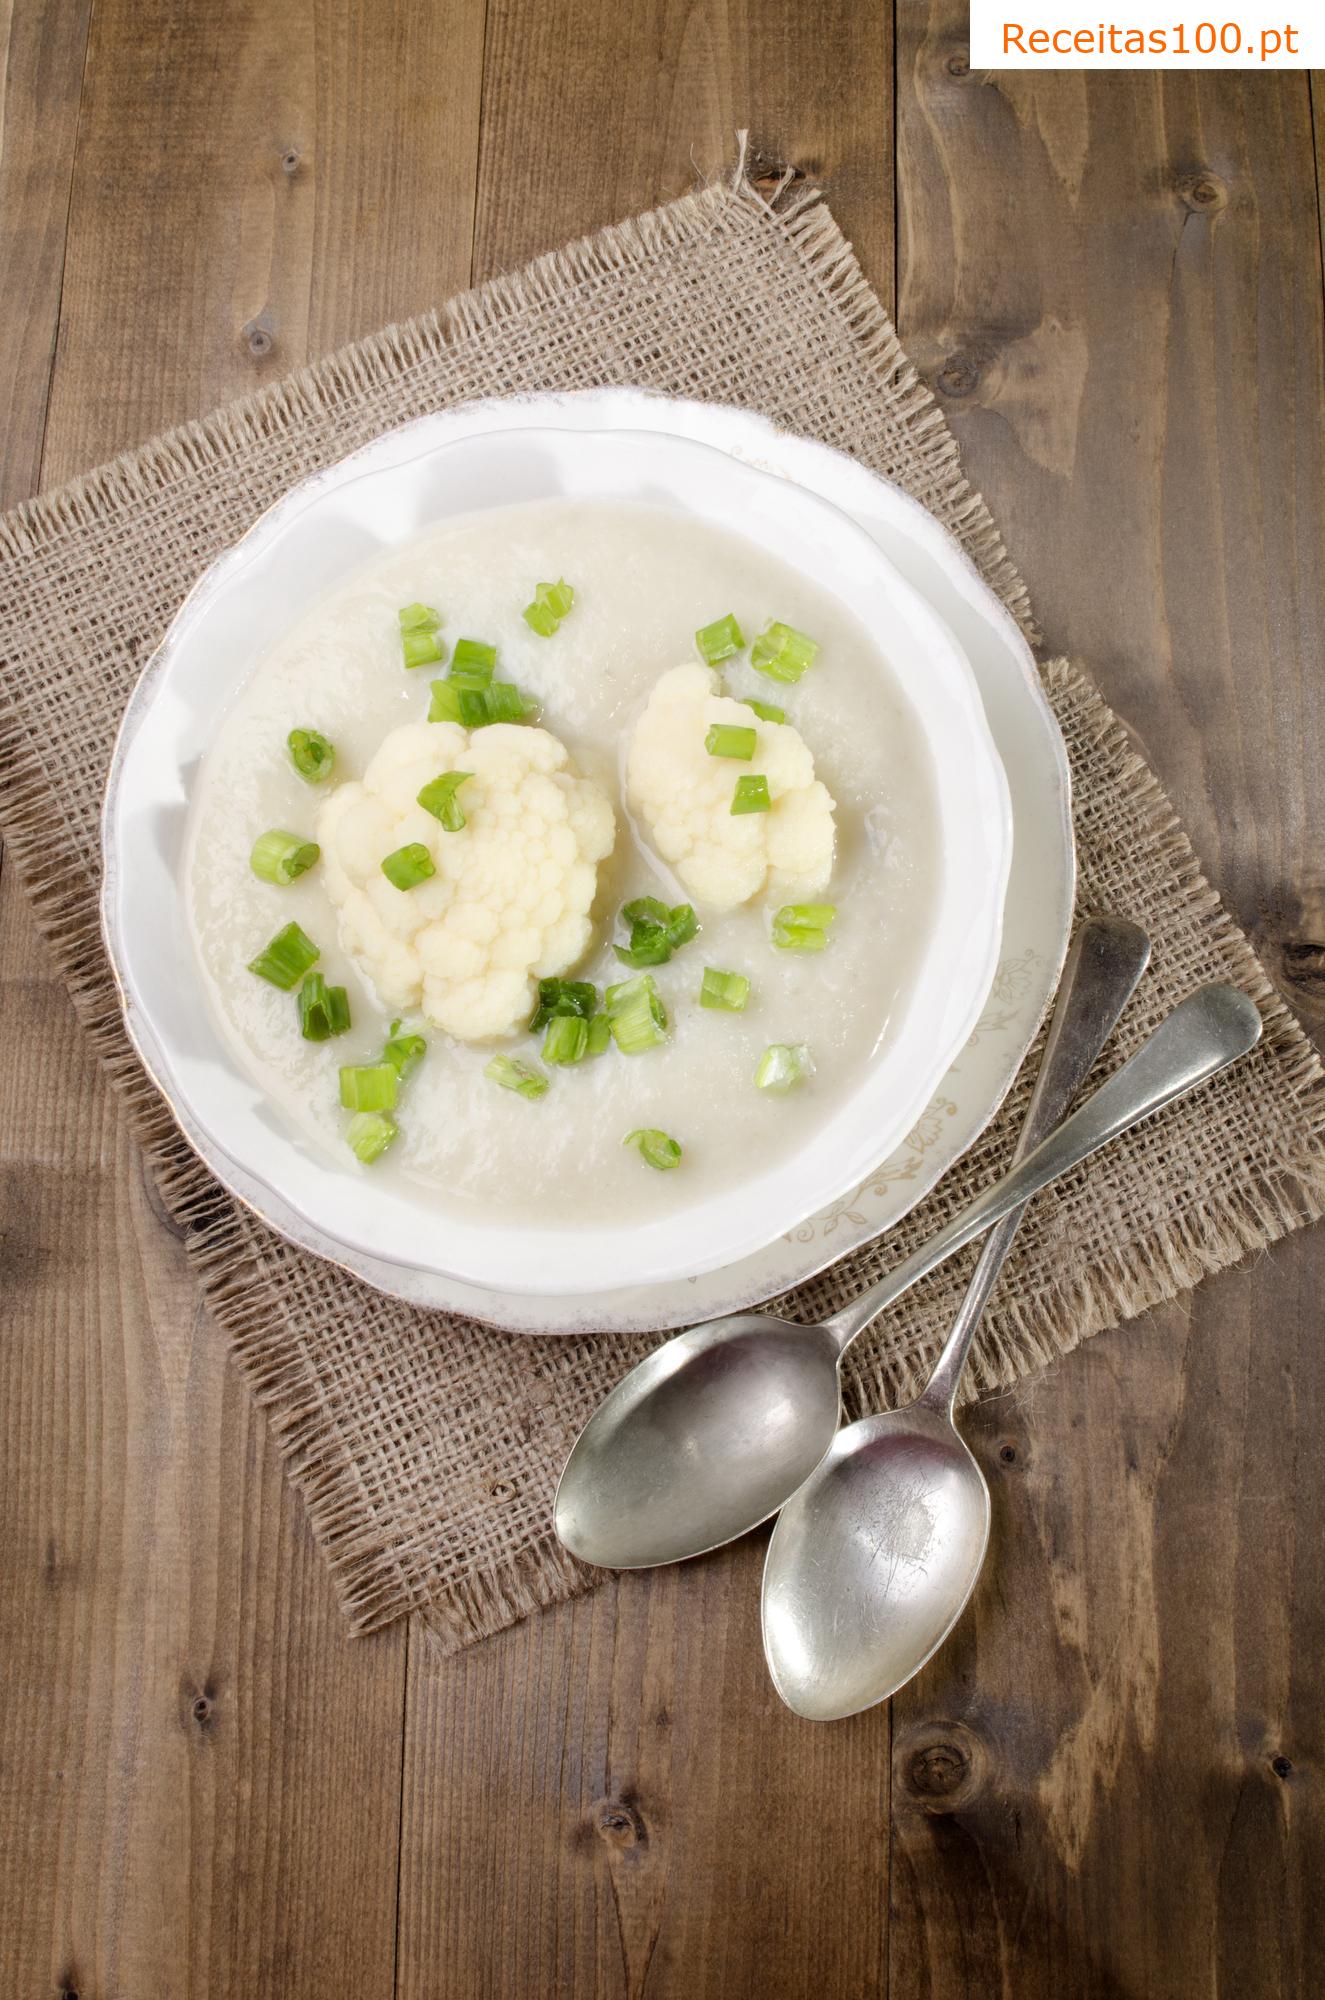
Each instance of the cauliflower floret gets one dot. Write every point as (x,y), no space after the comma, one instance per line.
(684,797)
(509,903)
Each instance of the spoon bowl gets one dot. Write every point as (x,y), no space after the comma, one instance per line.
(701,1442)
(709,1435)
(872,1561)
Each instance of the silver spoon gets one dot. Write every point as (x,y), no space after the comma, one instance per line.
(711,1433)
(872,1560)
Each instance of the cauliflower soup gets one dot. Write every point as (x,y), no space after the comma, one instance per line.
(573,896)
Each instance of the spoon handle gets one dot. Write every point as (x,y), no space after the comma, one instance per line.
(1107,959)
(1204,1034)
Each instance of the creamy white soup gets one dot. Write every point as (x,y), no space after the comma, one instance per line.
(625,802)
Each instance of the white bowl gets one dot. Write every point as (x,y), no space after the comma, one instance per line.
(251,595)
(1037,909)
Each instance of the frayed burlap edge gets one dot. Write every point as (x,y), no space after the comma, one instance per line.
(226,1246)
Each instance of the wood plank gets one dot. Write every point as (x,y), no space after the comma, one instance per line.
(1100,1784)
(200,1773)
(647,97)
(298,175)
(41,76)
(1130,353)
(1317,85)
(609,1799)
(1104,1784)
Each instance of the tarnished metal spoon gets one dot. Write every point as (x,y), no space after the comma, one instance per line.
(872,1560)
(714,1431)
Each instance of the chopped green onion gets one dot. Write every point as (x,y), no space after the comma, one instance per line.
(407,866)
(550,604)
(311,755)
(782,1065)
(727,739)
(646,910)
(655,931)
(563,996)
(517,1076)
(476,707)
(472,663)
(421,649)
(451,702)
(439,798)
(566,1040)
(600,1035)
(624,994)
(803,926)
(286,959)
(282,857)
(369,1134)
(648,946)
(505,703)
(403,1052)
(542,619)
(637,1015)
(765,710)
(418,635)
(719,640)
(728,990)
(682,924)
(783,653)
(369,1086)
(324,1010)
(751,796)
(655,1147)
(799,937)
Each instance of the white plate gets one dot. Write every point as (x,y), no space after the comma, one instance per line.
(1037,917)
(389,493)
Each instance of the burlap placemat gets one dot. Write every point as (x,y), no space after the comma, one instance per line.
(427,1448)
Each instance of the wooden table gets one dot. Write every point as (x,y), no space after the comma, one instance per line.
(1109,1784)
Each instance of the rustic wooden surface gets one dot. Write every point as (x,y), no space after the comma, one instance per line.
(1108,1785)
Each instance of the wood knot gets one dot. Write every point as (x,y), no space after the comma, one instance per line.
(620,1824)
(939,1767)
(1291,935)
(54,1569)
(958,64)
(1202,192)
(1282,1766)
(769,174)
(1008,1454)
(959,376)
(198,1706)
(290,160)
(1304,962)
(939,1770)
(258,338)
